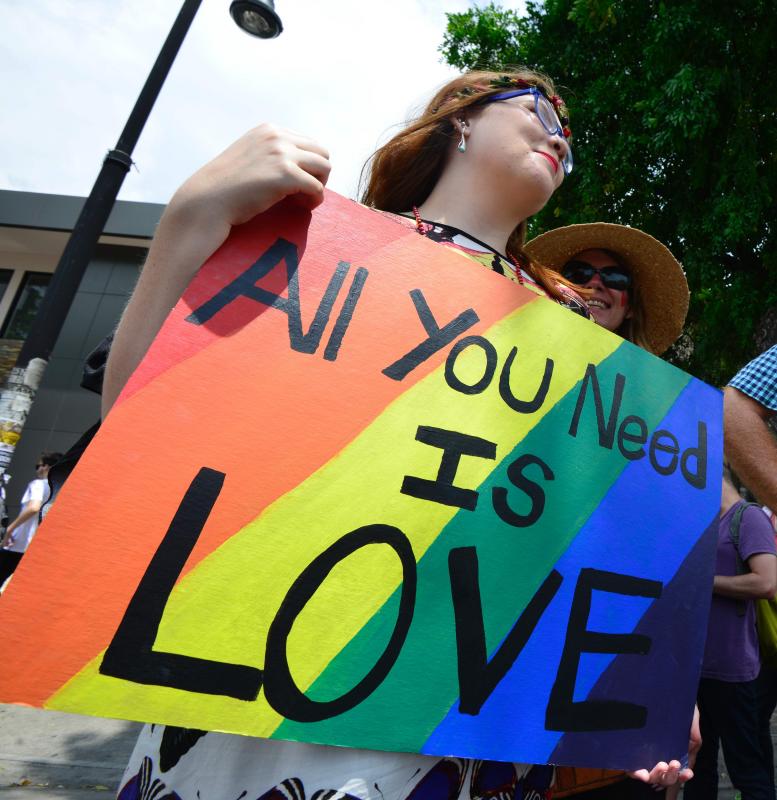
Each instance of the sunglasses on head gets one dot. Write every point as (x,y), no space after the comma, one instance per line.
(580,273)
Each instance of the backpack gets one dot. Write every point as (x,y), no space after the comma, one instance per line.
(765,610)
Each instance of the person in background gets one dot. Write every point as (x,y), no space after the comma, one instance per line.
(749,402)
(771,516)
(728,697)
(636,287)
(19,533)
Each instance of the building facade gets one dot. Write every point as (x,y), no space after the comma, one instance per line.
(33,231)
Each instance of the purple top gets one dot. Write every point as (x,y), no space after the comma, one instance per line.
(731,652)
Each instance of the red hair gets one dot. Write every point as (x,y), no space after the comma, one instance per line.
(402,173)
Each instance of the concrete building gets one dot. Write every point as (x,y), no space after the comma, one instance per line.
(33,231)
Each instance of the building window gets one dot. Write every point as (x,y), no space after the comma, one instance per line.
(25,306)
(5,280)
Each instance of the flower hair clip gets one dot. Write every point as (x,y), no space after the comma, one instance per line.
(558,104)
(462,94)
(509,82)
(502,82)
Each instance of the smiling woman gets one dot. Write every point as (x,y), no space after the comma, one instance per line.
(636,287)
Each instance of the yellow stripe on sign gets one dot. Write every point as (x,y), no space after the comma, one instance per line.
(222,609)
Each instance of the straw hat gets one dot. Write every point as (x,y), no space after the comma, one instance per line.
(658,276)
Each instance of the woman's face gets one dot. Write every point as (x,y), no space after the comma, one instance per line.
(514,153)
(609,307)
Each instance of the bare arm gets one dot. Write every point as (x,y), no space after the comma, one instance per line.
(750,445)
(30,510)
(759,583)
(253,174)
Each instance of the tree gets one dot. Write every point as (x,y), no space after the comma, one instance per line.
(673,108)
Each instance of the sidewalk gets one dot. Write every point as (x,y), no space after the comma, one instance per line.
(47,755)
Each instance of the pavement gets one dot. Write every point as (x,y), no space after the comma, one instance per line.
(48,755)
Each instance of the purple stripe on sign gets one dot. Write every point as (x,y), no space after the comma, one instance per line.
(631,535)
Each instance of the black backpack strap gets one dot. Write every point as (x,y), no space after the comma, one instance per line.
(735,525)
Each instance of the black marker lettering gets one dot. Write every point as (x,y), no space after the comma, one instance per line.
(638,437)
(606,432)
(437,337)
(488,373)
(345,315)
(515,473)
(131,656)
(524,406)
(563,713)
(698,477)
(245,286)
(454,445)
(281,691)
(664,442)
(478,677)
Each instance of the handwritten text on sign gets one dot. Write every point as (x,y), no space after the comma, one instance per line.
(468,555)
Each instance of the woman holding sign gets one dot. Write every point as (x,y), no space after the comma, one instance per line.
(486,154)
(488,150)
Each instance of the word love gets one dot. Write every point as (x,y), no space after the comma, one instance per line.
(131,655)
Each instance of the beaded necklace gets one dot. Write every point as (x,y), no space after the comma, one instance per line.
(423,228)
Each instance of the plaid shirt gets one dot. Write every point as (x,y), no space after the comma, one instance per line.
(759,379)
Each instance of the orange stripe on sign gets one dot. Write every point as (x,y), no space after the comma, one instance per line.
(246,405)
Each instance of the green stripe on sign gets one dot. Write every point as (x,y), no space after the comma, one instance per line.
(423,684)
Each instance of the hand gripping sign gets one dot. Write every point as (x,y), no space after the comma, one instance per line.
(363,491)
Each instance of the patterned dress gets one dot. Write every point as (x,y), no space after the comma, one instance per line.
(476,250)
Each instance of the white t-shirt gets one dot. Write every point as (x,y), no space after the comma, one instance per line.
(37,490)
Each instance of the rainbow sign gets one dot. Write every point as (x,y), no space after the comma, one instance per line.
(363,491)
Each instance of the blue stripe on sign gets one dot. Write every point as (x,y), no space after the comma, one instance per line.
(645,526)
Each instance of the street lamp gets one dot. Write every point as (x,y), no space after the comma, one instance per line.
(258,17)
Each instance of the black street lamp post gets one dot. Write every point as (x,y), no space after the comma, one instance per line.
(257,17)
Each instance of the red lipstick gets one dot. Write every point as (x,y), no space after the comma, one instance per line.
(550,158)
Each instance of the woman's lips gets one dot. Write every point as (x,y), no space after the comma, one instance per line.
(550,158)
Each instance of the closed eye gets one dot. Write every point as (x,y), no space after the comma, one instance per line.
(524,102)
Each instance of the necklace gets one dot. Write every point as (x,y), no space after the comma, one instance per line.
(424,227)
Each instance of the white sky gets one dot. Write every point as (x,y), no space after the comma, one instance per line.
(342,71)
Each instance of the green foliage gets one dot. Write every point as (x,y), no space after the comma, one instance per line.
(482,36)
(673,108)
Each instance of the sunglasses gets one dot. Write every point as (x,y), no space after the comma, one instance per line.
(38,466)
(580,273)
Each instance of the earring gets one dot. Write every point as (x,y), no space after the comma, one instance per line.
(462,148)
